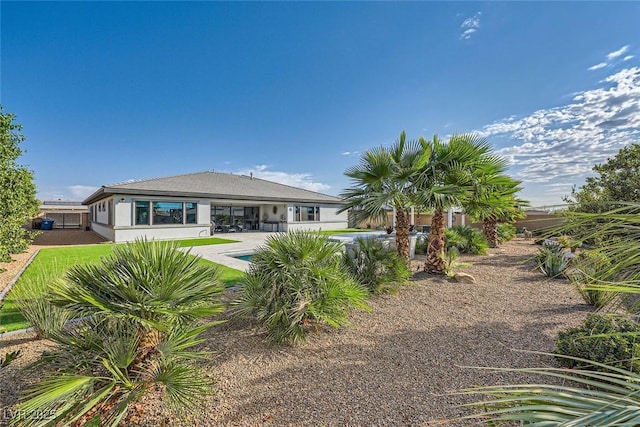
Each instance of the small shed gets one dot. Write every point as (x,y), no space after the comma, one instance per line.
(65,214)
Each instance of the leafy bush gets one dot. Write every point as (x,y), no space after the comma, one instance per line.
(610,340)
(295,280)
(137,312)
(551,260)
(31,297)
(506,232)
(587,267)
(375,267)
(466,240)
(568,242)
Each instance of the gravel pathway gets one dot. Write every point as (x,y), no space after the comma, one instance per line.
(393,366)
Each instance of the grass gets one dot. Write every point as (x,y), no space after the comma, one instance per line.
(54,262)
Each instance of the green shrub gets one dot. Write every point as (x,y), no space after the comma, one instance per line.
(31,297)
(588,266)
(551,260)
(506,232)
(466,240)
(296,280)
(375,267)
(611,340)
(140,314)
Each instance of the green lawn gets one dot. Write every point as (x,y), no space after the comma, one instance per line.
(54,262)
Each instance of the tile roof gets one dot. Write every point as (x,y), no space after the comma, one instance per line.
(214,185)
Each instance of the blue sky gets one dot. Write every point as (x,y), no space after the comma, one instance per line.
(294,92)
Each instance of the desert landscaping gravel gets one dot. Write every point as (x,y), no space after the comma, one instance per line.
(395,366)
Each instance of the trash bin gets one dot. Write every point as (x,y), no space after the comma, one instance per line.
(47,224)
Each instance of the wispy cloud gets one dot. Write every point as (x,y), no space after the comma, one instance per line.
(562,144)
(350,153)
(598,66)
(300,180)
(617,53)
(611,56)
(470,26)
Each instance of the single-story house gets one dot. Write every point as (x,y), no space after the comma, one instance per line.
(198,204)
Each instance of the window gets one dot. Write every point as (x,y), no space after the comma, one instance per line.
(191,213)
(307,213)
(142,213)
(167,213)
(158,213)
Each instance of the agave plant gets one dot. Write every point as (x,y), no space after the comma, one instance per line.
(297,280)
(551,260)
(135,336)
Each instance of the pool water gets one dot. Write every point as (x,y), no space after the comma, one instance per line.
(244,257)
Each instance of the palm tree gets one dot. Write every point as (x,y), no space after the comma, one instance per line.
(134,336)
(493,200)
(447,180)
(608,396)
(382,179)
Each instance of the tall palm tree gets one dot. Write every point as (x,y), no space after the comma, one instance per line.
(384,178)
(493,200)
(134,336)
(447,180)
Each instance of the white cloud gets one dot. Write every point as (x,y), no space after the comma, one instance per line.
(470,26)
(556,145)
(598,66)
(76,192)
(611,56)
(81,192)
(300,180)
(617,53)
(349,153)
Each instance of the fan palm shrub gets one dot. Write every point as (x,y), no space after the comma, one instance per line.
(139,314)
(466,240)
(297,280)
(375,267)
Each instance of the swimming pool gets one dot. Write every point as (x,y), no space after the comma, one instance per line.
(246,257)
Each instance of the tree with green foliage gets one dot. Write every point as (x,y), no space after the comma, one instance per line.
(18,203)
(618,180)
(446,179)
(383,179)
(139,314)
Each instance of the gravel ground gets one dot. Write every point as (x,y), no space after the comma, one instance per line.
(394,366)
